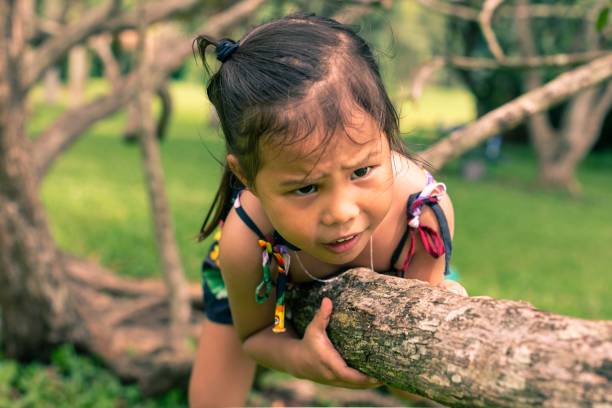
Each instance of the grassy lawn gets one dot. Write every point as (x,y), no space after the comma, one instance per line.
(512,239)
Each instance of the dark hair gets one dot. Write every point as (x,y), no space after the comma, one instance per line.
(286,79)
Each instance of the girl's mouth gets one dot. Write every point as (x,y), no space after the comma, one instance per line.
(343,244)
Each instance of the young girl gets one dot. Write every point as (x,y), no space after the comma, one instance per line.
(316,182)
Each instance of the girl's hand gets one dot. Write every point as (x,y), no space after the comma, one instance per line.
(321,362)
(453,286)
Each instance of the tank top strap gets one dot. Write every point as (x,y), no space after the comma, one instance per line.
(246,218)
(435,244)
(273,249)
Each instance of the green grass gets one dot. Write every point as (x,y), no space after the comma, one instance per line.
(515,240)
(512,239)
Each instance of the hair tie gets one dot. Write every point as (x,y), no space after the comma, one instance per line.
(225,49)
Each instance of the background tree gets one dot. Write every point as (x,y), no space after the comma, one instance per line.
(513,47)
(49,297)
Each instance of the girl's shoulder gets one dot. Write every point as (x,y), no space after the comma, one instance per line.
(239,242)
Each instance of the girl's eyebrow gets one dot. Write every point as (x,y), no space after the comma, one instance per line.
(311,180)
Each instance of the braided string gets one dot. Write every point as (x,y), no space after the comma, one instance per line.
(280,254)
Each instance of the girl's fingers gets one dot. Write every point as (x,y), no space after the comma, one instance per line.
(321,318)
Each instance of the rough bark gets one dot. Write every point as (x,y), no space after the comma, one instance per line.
(35,304)
(462,351)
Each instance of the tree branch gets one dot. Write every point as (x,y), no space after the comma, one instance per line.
(555,60)
(576,11)
(484,18)
(103,18)
(603,105)
(101,44)
(38,60)
(72,123)
(541,132)
(458,350)
(516,111)
(172,269)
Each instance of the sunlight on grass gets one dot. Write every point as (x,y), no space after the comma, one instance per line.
(437,108)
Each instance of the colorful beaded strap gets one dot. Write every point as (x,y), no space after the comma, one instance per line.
(269,252)
(262,293)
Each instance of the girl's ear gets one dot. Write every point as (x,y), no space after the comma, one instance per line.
(234,165)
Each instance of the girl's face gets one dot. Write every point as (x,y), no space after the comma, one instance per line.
(328,200)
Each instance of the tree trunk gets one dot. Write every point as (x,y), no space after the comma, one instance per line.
(47,297)
(461,351)
(559,151)
(35,304)
(172,269)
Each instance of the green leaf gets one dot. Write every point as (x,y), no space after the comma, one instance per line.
(602,18)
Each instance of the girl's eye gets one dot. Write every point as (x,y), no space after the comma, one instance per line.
(309,189)
(361,172)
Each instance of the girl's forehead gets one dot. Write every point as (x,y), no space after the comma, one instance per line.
(356,130)
(320,150)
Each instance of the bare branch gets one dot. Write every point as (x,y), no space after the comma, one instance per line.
(484,18)
(104,18)
(37,61)
(72,123)
(513,113)
(172,269)
(541,132)
(576,11)
(555,60)
(603,105)
(101,44)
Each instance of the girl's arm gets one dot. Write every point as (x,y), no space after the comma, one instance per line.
(312,357)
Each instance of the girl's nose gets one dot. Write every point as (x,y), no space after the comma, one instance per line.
(339,211)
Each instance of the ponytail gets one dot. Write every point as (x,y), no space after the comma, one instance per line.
(221,204)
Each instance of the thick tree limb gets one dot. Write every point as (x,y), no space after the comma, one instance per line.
(462,351)
(516,111)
